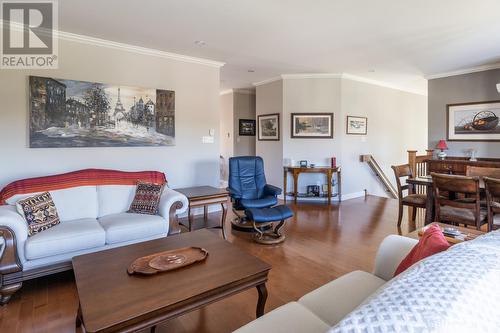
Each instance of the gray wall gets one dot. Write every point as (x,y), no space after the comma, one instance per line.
(473,87)
(270,100)
(243,108)
(189,162)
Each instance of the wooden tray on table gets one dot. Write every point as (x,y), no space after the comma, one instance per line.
(167,260)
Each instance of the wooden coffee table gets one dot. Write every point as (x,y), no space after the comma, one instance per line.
(112,301)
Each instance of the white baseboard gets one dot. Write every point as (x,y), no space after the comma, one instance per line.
(344,197)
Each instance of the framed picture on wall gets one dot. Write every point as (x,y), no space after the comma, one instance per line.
(312,125)
(357,125)
(268,127)
(478,121)
(247,127)
(68,113)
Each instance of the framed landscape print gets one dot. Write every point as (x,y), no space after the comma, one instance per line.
(268,127)
(357,125)
(478,121)
(247,127)
(68,113)
(312,125)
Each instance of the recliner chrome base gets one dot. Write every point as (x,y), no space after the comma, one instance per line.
(269,238)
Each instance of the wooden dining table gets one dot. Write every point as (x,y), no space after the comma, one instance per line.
(430,204)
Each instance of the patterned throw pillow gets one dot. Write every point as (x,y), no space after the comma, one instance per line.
(147,199)
(40,212)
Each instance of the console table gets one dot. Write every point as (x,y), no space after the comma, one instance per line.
(328,171)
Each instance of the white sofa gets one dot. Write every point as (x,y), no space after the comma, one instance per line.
(93,218)
(324,307)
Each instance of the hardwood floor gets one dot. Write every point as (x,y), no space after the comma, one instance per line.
(323,242)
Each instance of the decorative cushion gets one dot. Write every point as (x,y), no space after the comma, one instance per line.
(40,212)
(147,199)
(72,203)
(431,242)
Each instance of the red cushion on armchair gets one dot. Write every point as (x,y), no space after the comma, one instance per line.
(431,242)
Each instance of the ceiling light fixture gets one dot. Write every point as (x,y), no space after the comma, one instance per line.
(200,43)
(498,87)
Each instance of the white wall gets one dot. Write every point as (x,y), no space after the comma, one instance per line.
(244,108)
(397,122)
(226,129)
(197,110)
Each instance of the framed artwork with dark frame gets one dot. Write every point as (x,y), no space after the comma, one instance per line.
(247,127)
(356,125)
(268,127)
(476,121)
(311,125)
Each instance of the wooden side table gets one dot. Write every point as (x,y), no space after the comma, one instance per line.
(204,196)
(328,171)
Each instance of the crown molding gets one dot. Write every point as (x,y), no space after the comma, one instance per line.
(244,91)
(312,76)
(68,36)
(135,49)
(346,76)
(464,71)
(225,92)
(351,77)
(273,79)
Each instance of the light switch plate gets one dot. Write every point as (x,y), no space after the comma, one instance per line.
(207,139)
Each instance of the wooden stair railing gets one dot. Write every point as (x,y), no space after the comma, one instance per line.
(418,163)
(380,174)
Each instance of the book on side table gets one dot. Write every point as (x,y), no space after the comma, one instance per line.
(453,234)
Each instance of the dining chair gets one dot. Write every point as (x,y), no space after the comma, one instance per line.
(412,199)
(473,171)
(492,186)
(467,209)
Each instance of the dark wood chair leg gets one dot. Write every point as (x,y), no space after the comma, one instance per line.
(400,214)
(414,213)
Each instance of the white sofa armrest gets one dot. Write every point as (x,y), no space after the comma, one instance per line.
(14,232)
(172,203)
(390,253)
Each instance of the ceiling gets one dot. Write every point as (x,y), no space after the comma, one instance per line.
(399,42)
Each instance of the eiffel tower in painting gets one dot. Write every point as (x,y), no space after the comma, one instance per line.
(119,109)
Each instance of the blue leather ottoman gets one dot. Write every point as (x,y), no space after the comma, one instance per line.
(260,216)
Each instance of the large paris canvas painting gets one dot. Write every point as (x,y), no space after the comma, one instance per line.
(68,113)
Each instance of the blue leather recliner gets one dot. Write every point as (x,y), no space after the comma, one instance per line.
(247,184)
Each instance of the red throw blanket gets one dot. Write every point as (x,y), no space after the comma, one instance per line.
(87,177)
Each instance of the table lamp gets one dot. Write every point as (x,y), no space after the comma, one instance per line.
(442,146)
